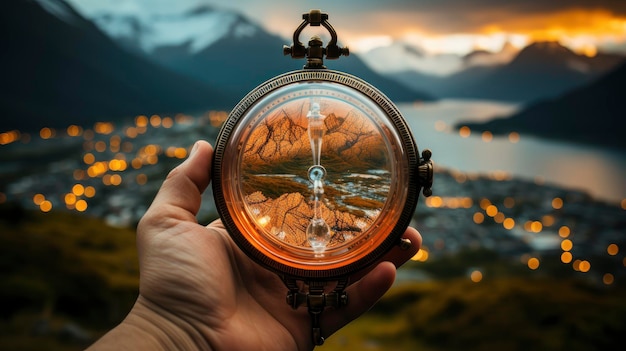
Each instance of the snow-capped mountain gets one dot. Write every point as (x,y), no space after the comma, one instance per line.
(487,58)
(62,11)
(224,49)
(192,30)
(401,57)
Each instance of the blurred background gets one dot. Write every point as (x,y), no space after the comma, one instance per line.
(521,102)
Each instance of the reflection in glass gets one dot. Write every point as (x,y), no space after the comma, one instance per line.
(320,163)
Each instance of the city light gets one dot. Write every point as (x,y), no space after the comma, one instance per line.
(557,203)
(533,263)
(476,276)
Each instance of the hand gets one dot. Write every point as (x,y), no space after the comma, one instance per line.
(199,291)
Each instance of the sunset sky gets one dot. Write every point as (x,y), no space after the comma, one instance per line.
(438,26)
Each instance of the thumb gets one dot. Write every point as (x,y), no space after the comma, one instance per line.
(180,194)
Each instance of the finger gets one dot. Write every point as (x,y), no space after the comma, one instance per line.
(180,194)
(362,295)
(397,255)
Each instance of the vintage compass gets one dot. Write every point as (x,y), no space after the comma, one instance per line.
(316,175)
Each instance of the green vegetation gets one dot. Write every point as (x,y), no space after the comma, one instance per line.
(511,308)
(67,278)
(500,314)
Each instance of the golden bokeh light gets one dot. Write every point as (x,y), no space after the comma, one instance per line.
(514,137)
(608,278)
(81,205)
(421,255)
(487,136)
(141,179)
(566,245)
(90,191)
(533,263)
(476,276)
(623,204)
(100,146)
(491,210)
(131,132)
(547,220)
(74,130)
(45,206)
(612,249)
(78,189)
(557,203)
(478,218)
(509,202)
(584,266)
(38,199)
(9,137)
(103,128)
(434,201)
(167,122)
(117,165)
(564,231)
(499,218)
(533,226)
(484,203)
(566,257)
(155,121)
(89,158)
(141,121)
(136,163)
(509,223)
(46,133)
(465,132)
(70,199)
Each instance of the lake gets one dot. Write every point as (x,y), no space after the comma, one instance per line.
(595,170)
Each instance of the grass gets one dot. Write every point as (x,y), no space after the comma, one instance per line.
(63,270)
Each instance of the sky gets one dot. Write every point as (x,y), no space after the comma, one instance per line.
(437,26)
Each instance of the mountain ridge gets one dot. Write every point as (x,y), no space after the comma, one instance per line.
(591,114)
(242,56)
(59,73)
(540,70)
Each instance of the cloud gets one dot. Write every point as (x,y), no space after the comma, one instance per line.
(358,20)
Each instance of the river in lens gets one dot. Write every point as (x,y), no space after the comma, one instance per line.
(595,170)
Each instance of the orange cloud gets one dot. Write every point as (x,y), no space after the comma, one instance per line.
(581,30)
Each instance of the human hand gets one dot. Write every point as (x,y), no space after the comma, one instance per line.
(198,290)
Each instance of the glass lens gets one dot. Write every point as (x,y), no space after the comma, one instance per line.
(317,175)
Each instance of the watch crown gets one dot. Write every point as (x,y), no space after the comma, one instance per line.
(425,172)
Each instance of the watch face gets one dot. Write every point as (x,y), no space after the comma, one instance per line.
(314,174)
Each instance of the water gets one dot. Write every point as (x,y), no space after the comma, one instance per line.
(597,171)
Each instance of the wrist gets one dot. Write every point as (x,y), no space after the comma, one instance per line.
(150,327)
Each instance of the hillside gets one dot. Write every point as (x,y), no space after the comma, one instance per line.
(593,114)
(59,69)
(67,278)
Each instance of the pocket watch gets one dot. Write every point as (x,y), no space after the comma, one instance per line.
(316,175)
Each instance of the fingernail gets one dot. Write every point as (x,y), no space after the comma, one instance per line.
(193,149)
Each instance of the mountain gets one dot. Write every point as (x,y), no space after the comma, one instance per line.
(225,49)
(488,58)
(540,70)
(60,69)
(402,57)
(590,114)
